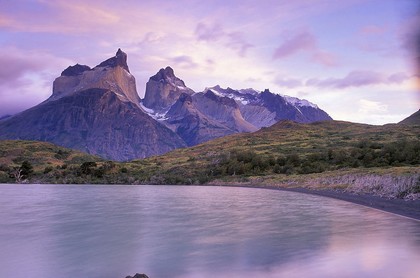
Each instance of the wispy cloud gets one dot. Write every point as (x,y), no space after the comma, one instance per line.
(288,82)
(358,79)
(26,78)
(304,42)
(324,58)
(369,107)
(299,42)
(215,33)
(209,33)
(185,62)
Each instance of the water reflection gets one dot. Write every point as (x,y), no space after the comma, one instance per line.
(113,231)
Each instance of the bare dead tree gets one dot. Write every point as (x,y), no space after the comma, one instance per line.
(17,174)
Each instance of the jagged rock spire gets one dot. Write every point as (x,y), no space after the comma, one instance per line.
(120,59)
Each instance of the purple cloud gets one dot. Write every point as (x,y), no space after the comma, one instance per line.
(358,79)
(232,40)
(16,66)
(237,42)
(305,42)
(184,61)
(288,82)
(26,78)
(301,41)
(208,33)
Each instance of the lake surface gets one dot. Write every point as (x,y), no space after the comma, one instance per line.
(191,231)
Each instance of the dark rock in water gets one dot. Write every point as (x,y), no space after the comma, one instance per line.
(75,70)
(138,275)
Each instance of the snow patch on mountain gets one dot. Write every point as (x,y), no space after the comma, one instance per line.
(299,102)
(239,97)
(152,113)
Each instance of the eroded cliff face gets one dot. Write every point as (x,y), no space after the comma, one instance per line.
(112,74)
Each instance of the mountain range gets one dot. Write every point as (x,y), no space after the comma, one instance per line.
(98,111)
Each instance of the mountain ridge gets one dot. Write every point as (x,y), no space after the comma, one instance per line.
(98,110)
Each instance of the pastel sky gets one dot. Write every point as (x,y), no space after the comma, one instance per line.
(353,58)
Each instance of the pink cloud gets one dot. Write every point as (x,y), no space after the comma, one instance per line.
(325,58)
(372,29)
(301,41)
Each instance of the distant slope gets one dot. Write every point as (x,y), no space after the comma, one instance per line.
(413,119)
(39,154)
(288,148)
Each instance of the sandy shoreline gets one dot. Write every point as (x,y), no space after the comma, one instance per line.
(410,208)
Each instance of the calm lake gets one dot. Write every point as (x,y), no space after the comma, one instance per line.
(191,231)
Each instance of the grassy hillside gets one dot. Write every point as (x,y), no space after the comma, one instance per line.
(45,160)
(329,154)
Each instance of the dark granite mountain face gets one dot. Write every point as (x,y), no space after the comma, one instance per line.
(292,108)
(191,124)
(102,119)
(224,110)
(95,121)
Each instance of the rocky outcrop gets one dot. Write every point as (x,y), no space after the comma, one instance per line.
(163,90)
(75,70)
(119,60)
